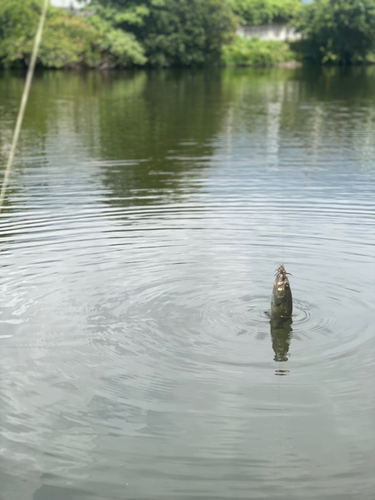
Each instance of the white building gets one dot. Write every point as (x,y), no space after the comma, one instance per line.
(75,4)
(280,32)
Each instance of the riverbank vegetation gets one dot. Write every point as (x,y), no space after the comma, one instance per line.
(171,33)
(68,40)
(256,12)
(159,33)
(257,53)
(337,31)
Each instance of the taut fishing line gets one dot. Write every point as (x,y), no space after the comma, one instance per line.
(24,99)
(278,371)
(282,210)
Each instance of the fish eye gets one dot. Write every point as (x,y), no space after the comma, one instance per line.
(287,286)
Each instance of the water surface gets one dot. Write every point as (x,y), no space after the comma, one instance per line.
(144,220)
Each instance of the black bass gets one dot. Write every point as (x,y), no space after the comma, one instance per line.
(282,303)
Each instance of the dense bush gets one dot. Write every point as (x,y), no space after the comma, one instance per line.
(337,31)
(255,12)
(186,33)
(173,32)
(255,52)
(67,40)
(118,47)
(18,21)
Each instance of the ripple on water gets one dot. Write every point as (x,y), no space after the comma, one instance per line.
(135,346)
(185,299)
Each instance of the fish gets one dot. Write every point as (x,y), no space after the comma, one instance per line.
(282,302)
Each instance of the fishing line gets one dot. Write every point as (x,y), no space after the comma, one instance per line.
(279,372)
(282,212)
(24,99)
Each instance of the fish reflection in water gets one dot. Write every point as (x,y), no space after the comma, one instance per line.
(280,335)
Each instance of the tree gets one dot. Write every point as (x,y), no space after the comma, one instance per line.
(337,31)
(173,32)
(254,12)
(67,40)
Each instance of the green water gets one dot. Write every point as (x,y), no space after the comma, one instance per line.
(145,217)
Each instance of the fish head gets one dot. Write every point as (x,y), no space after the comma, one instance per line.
(281,287)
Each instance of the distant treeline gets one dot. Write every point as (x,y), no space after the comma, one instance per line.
(165,33)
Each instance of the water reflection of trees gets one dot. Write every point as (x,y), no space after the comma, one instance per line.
(153,132)
(167,129)
(308,108)
(145,131)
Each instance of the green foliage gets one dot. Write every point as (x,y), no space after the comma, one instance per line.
(254,12)
(121,33)
(67,40)
(337,31)
(18,21)
(255,52)
(128,14)
(173,32)
(118,47)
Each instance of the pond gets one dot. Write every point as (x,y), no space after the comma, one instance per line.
(144,220)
